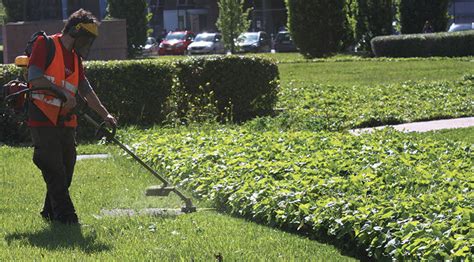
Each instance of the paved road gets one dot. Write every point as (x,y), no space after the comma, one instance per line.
(98,156)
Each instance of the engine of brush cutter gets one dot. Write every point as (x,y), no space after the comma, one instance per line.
(13,94)
(13,112)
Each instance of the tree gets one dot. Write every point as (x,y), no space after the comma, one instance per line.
(232,21)
(374,18)
(14,10)
(415,13)
(318,27)
(137,19)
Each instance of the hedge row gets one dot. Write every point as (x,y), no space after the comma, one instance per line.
(251,91)
(425,45)
(142,92)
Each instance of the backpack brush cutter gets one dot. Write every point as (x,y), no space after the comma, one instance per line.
(165,189)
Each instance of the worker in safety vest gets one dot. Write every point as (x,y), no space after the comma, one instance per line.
(50,120)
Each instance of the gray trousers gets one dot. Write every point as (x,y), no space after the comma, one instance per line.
(55,155)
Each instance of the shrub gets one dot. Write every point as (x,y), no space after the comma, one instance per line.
(374,18)
(135,14)
(133,90)
(424,45)
(318,27)
(241,88)
(14,10)
(414,14)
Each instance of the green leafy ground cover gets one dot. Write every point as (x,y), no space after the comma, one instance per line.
(395,194)
(120,183)
(328,107)
(349,92)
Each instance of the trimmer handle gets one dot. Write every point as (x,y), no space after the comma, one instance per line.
(104,131)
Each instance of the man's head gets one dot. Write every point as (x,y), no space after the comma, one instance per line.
(82,26)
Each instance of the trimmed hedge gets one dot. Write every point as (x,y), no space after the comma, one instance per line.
(240,87)
(134,91)
(141,92)
(425,45)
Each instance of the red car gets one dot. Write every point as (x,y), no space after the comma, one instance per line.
(176,43)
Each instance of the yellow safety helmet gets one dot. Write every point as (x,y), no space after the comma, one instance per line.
(21,61)
(91,28)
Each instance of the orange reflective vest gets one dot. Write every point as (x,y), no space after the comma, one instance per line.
(50,105)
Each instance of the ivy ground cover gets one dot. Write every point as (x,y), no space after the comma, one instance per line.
(392,194)
(329,107)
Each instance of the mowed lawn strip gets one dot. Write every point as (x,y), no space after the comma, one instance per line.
(373,72)
(119,182)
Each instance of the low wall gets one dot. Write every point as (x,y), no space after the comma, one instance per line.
(110,45)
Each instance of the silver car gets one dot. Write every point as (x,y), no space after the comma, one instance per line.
(207,43)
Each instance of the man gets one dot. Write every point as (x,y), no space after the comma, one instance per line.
(50,119)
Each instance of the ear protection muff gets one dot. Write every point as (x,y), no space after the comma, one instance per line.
(84,29)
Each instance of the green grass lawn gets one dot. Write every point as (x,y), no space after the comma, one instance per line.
(120,183)
(347,70)
(461,134)
(373,72)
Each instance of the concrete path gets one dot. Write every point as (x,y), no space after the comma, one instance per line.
(424,126)
(98,156)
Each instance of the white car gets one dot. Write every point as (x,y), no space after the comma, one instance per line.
(207,43)
(460,27)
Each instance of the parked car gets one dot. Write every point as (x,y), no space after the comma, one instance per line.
(207,43)
(460,27)
(284,42)
(254,42)
(151,47)
(176,43)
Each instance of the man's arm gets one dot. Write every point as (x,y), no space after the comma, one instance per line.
(86,91)
(37,79)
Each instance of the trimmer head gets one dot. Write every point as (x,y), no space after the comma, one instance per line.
(162,191)
(188,209)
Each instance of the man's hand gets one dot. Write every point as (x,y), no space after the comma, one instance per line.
(110,120)
(70,102)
